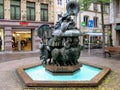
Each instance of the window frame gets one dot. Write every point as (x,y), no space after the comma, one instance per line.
(85,19)
(2,4)
(44,17)
(67,1)
(15,6)
(95,7)
(59,2)
(105,8)
(30,17)
(95,19)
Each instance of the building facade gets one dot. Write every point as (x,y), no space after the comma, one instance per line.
(112,22)
(59,9)
(93,15)
(19,20)
(91,24)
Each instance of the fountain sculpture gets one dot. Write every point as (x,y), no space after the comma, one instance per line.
(59,52)
(62,48)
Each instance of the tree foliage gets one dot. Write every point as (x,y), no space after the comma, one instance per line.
(85,4)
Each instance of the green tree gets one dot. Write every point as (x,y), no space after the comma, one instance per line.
(85,4)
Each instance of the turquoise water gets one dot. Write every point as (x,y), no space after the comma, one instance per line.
(86,72)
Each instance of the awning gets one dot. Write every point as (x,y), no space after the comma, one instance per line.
(94,34)
(117,27)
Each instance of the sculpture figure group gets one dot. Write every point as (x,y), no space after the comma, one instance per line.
(63,47)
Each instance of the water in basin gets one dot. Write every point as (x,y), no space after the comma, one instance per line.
(86,72)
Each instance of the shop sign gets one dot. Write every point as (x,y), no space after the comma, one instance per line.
(83,24)
(24,23)
(90,23)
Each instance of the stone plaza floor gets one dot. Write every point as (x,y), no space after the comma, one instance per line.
(9,80)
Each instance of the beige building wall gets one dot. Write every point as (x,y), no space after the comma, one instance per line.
(7,10)
(59,9)
(37,9)
(8,25)
(113,19)
(23,10)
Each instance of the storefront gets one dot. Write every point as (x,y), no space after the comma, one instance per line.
(118,34)
(19,35)
(21,40)
(2,39)
(93,40)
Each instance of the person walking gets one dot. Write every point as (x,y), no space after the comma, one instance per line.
(0,44)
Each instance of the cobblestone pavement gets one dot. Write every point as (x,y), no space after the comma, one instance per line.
(9,79)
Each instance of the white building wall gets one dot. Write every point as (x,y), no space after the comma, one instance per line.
(61,9)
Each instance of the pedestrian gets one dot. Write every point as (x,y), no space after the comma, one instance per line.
(0,44)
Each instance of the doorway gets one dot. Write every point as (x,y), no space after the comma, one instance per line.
(21,40)
(2,40)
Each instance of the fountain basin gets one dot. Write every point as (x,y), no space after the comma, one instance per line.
(37,75)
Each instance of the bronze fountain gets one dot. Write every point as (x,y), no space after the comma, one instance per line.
(59,52)
(62,48)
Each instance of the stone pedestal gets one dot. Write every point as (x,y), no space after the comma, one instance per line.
(63,69)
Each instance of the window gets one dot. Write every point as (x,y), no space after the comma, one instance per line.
(15,10)
(1,9)
(117,6)
(95,7)
(30,11)
(67,1)
(95,19)
(59,16)
(2,39)
(86,20)
(105,8)
(44,12)
(59,2)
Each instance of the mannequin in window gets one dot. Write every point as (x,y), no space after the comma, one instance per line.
(0,44)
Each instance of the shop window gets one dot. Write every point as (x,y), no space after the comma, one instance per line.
(15,10)
(1,40)
(95,21)
(30,11)
(86,20)
(44,12)
(1,9)
(21,40)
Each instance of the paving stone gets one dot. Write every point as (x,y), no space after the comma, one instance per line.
(9,80)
